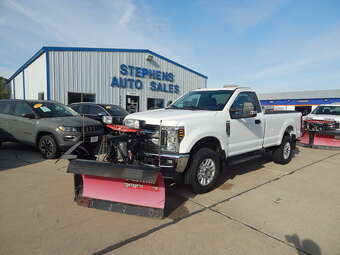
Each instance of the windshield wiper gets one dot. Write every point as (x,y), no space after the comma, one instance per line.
(172,107)
(192,107)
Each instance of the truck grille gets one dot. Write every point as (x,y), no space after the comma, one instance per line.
(150,138)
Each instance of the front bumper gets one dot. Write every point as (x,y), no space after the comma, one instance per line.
(67,140)
(167,162)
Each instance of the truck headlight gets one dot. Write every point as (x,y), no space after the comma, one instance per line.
(67,129)
(136,124)
(171,138)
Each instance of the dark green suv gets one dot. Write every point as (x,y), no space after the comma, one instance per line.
(50,126)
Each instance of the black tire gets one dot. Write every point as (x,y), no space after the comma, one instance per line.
(48,147)
(193,176)
(283,153)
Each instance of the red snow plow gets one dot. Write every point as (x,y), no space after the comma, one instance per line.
(116,179)
(321,134)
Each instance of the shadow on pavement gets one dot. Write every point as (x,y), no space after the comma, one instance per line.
(305,246)
(13,155)
(231,171)
(175,207)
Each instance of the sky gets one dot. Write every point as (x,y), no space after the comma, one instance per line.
(269,45)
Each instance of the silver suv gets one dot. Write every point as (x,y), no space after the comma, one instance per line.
(50,126)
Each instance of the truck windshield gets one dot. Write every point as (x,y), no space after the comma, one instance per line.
(50,110)
(331,110)
(210,100)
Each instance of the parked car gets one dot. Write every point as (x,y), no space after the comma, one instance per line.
(50,126)
(106,113)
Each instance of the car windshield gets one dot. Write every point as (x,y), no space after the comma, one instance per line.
(210,100)
(330,110)
(50,110)
(115,110)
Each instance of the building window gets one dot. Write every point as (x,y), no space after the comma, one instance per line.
(41,96)
(80,97)
(155,103)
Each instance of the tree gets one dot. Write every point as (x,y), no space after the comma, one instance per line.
(4,88)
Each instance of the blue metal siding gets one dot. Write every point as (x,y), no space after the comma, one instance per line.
(303,101)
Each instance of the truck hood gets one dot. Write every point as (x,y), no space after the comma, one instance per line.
(75,121)
(171,117)
(323,117)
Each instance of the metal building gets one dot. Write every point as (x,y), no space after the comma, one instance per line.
(302,101)
(135,79)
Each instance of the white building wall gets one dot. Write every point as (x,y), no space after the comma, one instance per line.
(19,91)
(92,72)
(35,78)
(12,89)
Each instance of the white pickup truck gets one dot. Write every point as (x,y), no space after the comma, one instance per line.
(195,133)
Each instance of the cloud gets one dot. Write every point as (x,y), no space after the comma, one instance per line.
(245,14)
(242,15)
(308,55)
(113,24)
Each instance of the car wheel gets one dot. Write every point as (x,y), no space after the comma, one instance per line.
(283,154)
(203,171)
(48,147)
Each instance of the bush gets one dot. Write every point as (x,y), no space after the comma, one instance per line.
(4,88)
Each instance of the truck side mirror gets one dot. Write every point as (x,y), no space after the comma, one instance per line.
(248,110)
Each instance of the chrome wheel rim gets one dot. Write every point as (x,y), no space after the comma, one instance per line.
(286,150)
(206,172)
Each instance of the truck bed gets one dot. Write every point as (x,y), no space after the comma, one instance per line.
(276,123)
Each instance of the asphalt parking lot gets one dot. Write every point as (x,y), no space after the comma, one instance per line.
(258,208)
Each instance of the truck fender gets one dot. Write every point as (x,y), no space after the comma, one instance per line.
(209,141)
(287,129)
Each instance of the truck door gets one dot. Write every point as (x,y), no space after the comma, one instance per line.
(246,134)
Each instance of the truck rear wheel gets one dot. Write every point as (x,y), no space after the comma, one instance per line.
(48,147)
(283,154)
(204,171)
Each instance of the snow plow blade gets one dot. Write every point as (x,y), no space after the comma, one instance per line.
(128,189)
(320,141)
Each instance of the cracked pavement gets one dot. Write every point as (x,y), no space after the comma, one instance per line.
(259,208)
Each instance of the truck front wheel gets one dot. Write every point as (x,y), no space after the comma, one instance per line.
(283,153)
(203,171)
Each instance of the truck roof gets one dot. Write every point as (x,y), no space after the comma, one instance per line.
(226,88)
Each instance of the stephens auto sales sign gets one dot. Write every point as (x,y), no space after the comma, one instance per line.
(133,75)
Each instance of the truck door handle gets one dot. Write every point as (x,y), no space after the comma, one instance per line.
(257,121)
